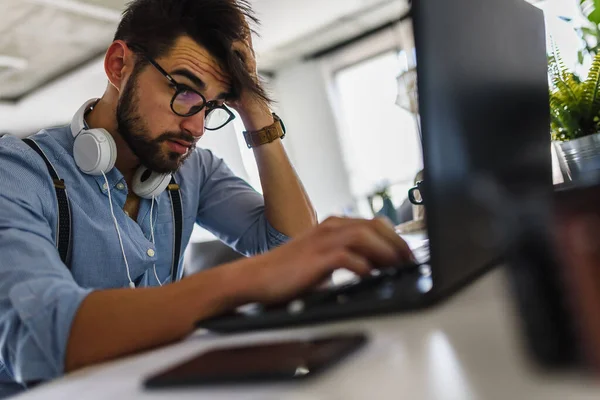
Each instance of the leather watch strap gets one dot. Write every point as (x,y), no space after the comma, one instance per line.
(267,134)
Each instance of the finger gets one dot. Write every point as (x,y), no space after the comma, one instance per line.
(247,54)
(382,227)
(326,282)
(331,223)
(349,260)
(362,239)
(243,46)
(386,229)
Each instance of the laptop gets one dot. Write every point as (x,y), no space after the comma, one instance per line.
(484,113)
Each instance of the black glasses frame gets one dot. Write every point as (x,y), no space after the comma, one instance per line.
(180,88)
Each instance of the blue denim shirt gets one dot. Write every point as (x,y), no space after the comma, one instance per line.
(39,296)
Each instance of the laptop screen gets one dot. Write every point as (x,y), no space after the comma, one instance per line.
(483,99)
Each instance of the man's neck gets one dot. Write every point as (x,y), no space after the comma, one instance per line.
(103,115)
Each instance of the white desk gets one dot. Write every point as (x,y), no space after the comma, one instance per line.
(467,348)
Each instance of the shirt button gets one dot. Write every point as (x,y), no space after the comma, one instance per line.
(150,253)
(120,186)
(105,186)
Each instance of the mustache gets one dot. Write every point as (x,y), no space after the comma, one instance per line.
(177,136)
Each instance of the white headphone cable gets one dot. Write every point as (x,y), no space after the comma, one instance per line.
(152,238)
(131,284)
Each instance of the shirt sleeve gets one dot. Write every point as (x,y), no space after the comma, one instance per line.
(38,295)
(232,210)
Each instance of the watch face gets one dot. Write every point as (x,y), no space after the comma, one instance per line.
(282,125)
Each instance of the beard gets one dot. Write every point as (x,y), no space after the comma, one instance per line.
(135,132)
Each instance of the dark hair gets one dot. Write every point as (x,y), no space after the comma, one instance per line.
(155,25)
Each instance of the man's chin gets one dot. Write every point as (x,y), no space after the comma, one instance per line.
(170,163)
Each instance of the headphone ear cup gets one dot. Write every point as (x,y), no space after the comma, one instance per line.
(148,184)
(95,151)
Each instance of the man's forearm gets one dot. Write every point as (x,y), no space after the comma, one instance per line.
(287,206)
(115,323)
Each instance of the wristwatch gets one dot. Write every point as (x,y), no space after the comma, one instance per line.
(267,134)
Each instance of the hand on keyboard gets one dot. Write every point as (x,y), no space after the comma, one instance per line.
(380,284)
(290,270)
(367,283)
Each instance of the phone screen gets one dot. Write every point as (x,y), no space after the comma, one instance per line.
(259,362)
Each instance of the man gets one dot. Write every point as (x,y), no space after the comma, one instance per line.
(173,66)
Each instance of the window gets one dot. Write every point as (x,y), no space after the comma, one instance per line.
(380,141)
(562,18)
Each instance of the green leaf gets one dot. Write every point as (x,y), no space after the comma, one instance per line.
(562,79)
(591,95)
(591,9)
(565,118)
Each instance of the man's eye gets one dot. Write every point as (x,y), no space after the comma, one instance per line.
(186,88)
(188,96)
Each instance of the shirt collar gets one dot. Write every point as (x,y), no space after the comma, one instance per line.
(114,177)
(116,181)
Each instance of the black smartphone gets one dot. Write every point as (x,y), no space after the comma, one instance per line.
(280,361)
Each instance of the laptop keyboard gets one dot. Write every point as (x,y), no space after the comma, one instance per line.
(381,285)
(394,288)
(399,286)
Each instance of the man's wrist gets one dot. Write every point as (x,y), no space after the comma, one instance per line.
(200,290)
(241,277)
(256,116)
(266,135)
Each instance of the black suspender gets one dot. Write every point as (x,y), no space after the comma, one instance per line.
(175,197)
(63,229)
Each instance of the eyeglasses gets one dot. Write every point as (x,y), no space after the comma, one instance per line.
(187,101)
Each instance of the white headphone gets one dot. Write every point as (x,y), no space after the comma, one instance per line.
(95,152)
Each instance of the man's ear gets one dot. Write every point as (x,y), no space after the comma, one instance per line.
(119,62)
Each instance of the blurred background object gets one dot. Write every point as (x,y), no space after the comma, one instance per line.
(578,244)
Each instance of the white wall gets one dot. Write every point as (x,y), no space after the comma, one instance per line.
(308,106)
(312,141)
(54,104)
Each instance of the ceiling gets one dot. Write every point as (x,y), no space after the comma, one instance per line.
(42,40)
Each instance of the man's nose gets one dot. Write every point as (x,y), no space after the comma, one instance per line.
(194,124)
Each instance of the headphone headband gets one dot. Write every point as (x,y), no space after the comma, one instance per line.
(78,121)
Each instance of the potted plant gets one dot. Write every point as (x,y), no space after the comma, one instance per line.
(575,117)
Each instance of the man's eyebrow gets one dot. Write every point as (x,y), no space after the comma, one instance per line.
(199,83)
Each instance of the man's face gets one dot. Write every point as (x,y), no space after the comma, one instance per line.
(161,139)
